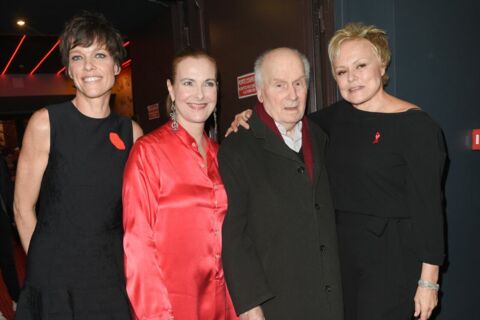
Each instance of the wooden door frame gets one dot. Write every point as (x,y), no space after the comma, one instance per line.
(190,30)
(323,89)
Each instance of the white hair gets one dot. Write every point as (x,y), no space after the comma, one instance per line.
(257,67)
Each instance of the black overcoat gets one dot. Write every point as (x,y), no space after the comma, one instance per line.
(279,240)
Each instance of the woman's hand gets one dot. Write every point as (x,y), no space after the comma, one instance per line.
(425,301)
(241,119)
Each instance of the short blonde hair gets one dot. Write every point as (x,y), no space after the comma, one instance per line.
(357,30)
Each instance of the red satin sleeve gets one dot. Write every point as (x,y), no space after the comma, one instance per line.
(144,277)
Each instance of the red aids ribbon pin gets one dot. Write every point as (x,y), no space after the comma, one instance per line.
(117,141)
(377,138)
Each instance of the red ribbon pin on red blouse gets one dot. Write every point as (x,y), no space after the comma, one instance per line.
(377,137)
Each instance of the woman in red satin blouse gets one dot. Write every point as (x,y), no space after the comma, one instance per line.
(174,205)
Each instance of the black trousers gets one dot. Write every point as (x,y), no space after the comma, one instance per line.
(379,267)
(7,260)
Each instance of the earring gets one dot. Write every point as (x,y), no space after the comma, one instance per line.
(173,116)
(214,131)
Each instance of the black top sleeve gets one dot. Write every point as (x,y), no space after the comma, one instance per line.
(425,155)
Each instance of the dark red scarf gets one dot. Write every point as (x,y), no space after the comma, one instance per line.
(306,140)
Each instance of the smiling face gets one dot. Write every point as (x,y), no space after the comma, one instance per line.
(92,70)
(358,71)
(194,91)
(283,90)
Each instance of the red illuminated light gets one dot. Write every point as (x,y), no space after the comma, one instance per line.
(476,139)
(14,54)
(59,72)
(127,63)
(45,57)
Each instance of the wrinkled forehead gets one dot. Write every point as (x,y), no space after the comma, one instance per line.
(287,67)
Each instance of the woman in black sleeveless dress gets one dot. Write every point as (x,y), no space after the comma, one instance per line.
(72,161)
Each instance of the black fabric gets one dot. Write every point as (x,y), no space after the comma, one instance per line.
(379,267)
(7,260)
(279,239)
(75,259)
(386,167)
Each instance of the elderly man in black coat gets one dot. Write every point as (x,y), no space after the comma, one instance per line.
(280,251)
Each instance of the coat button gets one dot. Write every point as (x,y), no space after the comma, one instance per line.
(301,170)
(328,288)
(317,206)
(322,248)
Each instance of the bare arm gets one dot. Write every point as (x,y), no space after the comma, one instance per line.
(32,163)
(241,119)
(253,314)
(137,131)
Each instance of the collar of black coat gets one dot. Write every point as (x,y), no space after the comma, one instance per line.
(268,121)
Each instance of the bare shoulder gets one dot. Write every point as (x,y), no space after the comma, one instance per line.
(38,130)
(40,120)
(35,146)
(409,106)
(33,158)
(137,131)
(399,105)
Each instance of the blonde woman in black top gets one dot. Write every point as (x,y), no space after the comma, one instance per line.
(385,162)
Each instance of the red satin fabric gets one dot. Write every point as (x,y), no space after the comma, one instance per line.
(174,205)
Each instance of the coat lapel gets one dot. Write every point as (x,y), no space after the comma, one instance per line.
(272,143)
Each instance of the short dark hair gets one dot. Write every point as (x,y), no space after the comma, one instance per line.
(87,27)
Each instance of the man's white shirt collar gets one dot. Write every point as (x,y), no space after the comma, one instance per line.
(294,142)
